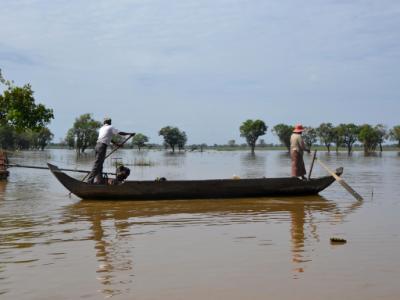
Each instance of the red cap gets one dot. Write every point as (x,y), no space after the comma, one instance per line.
(298,128)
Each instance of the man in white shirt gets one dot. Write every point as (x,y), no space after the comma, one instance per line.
(106,134)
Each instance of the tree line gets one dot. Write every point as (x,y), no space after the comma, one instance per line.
(84,133)
(343,135)
(23,125)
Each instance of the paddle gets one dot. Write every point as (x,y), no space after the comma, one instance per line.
(341,181)
(108,155)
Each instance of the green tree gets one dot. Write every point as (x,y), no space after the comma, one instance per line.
(23,140)
(20,117)
(7,137)
(251,130)
(70,138)
(309,136)
(34,139)
(395,134)
(349,133)
(382,134)
(232,143)
(326,134)
(139,140)
(44,137)
(337,138)
(173,137)
(369,136)
(182,140)
(84,133)
(284,133)
(19,110)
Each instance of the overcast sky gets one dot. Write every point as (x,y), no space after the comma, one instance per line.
(206,65)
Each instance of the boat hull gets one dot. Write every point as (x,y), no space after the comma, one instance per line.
(194,189)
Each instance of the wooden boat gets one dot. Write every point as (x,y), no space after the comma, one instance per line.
(194,189)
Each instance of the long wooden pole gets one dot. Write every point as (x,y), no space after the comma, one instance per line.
(119,146)
(312,164)
(341,181)
(46,168)
(69,170)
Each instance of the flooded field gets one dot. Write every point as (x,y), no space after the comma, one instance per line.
(54,246)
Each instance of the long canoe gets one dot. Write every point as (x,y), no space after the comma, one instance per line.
(194,189)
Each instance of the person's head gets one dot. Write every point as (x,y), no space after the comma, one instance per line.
(298,129)
(107,121)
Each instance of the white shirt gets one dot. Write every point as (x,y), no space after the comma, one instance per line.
(106,133)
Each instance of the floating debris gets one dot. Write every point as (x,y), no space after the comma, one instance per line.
(338,240)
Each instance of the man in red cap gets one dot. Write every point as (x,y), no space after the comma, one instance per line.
(297,148)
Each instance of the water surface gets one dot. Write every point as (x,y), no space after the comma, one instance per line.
(53,246)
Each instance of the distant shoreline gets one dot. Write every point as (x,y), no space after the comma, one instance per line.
(197,148)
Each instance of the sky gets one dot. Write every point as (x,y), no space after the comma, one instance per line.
(206,66)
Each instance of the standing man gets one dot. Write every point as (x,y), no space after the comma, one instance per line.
(297,148)
(106,133)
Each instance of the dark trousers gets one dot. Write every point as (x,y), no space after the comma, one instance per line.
(97,171)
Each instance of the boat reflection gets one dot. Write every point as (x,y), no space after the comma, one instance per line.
(125,215)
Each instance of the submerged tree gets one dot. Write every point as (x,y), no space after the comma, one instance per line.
(326,134)
(139,140)
(395,134)
(84,133)
(173,137)
(44,137)
(349,133)
(23,140)
(283,132)
(182,140)
(251,130)
(369,137)
(309,136)
(382,134)
(337,137)
(7,137)
(70,138)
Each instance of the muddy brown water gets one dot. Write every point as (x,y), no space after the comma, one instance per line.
(53,246)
